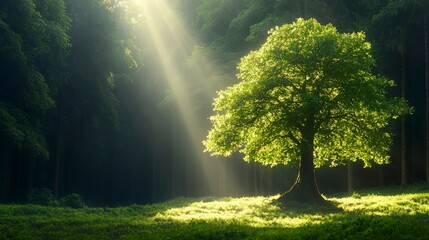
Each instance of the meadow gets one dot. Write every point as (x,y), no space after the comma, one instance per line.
(385,213)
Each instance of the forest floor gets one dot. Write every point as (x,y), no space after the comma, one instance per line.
(384,213)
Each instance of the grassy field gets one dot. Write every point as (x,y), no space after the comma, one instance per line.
(389,213)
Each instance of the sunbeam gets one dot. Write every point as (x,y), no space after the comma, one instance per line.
(164,29)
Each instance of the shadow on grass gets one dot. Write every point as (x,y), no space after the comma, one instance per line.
(387,191)
(329,206)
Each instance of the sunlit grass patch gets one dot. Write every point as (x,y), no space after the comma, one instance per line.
(251,211)
(401,204)
(263,212)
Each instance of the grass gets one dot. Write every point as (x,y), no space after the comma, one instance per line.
(385,213)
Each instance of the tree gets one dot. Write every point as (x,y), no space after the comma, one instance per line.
(33,39)
(308,96)
(427,95)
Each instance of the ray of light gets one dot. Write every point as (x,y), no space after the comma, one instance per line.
(165,28)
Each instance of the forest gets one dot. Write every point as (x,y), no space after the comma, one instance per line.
(111,99)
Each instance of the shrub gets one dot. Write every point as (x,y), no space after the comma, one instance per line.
(356,195)
(40,196)
(54,203)
(73,200)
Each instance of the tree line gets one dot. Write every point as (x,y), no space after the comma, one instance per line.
(85,107)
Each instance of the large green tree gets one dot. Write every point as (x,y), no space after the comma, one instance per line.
(308,96)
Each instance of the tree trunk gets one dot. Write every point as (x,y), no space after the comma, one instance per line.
(58,160)
(404,175)
(255,180)
(302,8)
(381,175)
(175,160)
(427,95)
(59,145)
(305,188)
(305,9)
(269,178)
(16,177)
(350,187)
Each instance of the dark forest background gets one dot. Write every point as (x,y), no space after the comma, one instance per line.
(85,106)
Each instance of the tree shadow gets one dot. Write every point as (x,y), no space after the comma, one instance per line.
(386,190)
(326,207)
